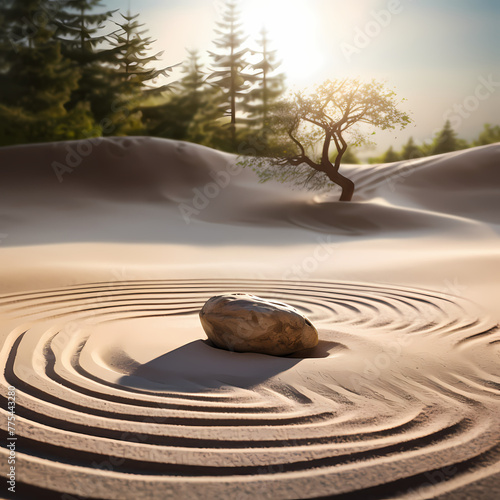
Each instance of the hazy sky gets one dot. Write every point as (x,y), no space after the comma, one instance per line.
(443,56)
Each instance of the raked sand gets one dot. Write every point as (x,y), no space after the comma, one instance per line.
(105,265)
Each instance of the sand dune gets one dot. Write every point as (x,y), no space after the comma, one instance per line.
(125,181)
(119,395)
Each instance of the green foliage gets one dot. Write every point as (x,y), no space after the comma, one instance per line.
(269,87)
(447,141)
(310,125)
(78,123)
(66,74)
(230,64)
(131,76)
(489,135)
(191,111)
(79,31)
(410,150)
(37,83)
(133,57)
(349,156)
(390,156)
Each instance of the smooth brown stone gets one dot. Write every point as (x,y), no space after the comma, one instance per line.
(246,323)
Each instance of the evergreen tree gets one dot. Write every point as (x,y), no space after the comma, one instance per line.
(132,57)
(410,150)
(192,109)
(78,29)
(4,40)
(172,118)
(18,25)
(446,141)
(79,32)
(202,103)
(390,156)
(206,126)
(489,135)
(231,64)
(193,83)
(268,88)
(131,71)
(37,82)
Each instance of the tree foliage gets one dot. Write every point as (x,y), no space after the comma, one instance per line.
(79,29)
(79,33)
(132,58)
(489,135)
(72,69)
(332,116)
(192,109)
(410,150)
(37,82)
(268,87)
(133,73)
(391,156)
(230,64)
(446,141)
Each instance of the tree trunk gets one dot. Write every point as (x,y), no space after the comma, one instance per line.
(233,120)
(346,184)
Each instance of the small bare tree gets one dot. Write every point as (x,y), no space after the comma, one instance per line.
(307,126)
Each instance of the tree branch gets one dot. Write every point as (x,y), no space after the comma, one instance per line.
(296,141)
(341,151)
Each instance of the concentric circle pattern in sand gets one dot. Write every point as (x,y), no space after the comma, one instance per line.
(116,386)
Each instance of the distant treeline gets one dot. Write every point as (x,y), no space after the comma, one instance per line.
(444,141)
(71,70)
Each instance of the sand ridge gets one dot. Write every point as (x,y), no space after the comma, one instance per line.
(201,418)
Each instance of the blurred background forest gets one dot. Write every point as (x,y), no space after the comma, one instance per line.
(69,69)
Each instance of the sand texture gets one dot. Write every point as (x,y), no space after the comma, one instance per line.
(120,396)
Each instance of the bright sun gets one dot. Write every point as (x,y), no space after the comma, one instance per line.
(292,26)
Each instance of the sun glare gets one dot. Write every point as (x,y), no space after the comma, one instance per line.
(292,26)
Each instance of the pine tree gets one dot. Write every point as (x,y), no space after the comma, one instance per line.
(192,109)
(268,87)
(172,118)
(132,57)
(410,150)
(390,156)
(132,72)
(447,141)
(78,29)
(489,135)
(37,82)
(193,83)
(6,42)
(79,32)
(205,125)
(231,64)
(203,104)
(18,24)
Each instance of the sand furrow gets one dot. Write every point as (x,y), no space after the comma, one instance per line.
(107,391)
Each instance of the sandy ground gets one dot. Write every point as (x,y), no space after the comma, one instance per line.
(109,250)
